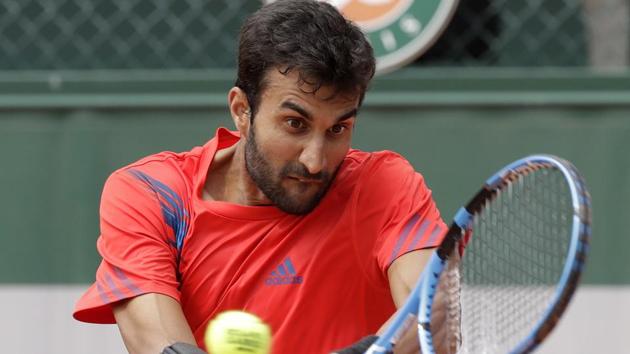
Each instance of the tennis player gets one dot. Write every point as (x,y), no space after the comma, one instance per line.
(280,218)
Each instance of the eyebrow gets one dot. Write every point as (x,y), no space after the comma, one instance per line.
(303,112)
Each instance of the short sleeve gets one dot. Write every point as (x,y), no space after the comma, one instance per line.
(398,209)
(140,218)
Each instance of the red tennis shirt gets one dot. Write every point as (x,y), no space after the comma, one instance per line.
(319,280)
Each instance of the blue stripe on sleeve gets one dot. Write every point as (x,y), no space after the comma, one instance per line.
(173,211)
(403,236)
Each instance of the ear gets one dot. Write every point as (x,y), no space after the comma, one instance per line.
(240,110)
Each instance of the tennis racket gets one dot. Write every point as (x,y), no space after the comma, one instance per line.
(507,266)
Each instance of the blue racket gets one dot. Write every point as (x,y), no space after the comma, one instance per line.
(507,267)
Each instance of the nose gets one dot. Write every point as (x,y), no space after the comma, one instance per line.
(313,155)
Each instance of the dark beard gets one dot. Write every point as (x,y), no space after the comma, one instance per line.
(263,175)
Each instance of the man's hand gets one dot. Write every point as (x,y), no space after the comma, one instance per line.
(182,348)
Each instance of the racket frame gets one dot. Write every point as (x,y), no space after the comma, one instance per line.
(420,300)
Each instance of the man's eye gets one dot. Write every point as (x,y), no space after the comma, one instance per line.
(338,129)
(295,123)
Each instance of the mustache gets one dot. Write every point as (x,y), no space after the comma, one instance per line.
(299,170)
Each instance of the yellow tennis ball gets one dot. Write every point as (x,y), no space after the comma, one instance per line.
(237,332)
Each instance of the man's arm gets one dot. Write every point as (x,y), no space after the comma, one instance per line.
(403,275)
(151,322)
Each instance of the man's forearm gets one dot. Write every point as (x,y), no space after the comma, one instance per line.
(150,323)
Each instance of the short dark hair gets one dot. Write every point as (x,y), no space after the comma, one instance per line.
(309,36)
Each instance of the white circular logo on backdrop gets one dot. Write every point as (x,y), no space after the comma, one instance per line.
(399,30)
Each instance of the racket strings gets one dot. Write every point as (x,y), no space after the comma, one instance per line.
(509,269)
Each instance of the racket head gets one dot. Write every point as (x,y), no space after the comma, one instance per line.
(536,181)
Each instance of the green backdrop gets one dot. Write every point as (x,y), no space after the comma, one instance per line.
(61,135)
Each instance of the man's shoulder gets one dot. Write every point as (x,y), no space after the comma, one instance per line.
(165,160)
(384,161)
(380,172)
(174,170)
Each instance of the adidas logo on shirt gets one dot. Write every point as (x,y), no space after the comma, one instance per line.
(284,274)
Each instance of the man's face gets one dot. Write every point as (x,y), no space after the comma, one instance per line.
(297,141)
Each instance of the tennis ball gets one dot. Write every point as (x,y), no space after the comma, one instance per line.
(237,332)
